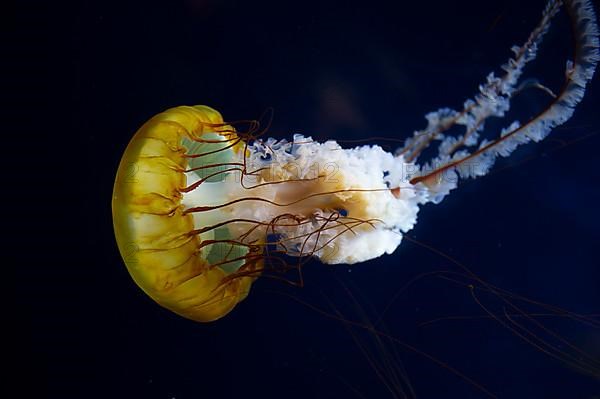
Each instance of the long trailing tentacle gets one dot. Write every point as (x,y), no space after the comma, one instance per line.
(492,100)
(439,176)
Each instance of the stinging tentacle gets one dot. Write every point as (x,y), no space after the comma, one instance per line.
(578,73)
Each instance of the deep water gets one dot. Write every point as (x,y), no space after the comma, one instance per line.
(345,70)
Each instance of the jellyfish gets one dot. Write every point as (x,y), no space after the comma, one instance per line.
(202,207)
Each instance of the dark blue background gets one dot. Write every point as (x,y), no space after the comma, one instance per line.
(345,70)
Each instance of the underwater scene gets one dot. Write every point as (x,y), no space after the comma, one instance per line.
(331,199)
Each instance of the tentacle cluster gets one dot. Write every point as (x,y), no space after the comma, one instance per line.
(454,158)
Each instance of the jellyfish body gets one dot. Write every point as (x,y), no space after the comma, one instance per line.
(193,207)
(197,206)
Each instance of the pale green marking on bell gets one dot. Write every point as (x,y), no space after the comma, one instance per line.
(222,252)
(212,157)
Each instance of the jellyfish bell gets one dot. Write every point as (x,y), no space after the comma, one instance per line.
(198,203)
(151,228)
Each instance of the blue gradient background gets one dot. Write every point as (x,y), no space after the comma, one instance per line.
(344,70)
